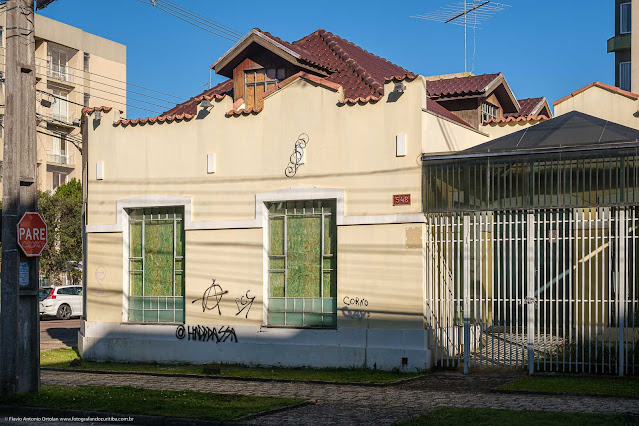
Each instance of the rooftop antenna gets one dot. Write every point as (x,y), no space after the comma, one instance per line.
(469,14)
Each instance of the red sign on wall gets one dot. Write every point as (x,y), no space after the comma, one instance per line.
(32,234)
(401,200)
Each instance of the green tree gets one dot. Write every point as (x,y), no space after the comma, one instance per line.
(62,211)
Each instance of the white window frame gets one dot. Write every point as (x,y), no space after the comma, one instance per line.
(60,182)
(621,80)
(489,111)
(61,99)
(58,63)
(625,6)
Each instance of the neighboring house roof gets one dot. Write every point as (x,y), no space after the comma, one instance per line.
(530,106)
(600,85)
(361,73)
(437,109)
(573,129)
(461,86)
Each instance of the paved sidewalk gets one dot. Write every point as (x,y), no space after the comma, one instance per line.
(352,405)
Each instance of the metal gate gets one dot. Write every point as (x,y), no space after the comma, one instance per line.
(547,290)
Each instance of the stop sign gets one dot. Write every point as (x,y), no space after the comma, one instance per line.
(32,234)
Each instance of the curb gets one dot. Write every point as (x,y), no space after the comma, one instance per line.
(138,419)
(243,379)
(593,395)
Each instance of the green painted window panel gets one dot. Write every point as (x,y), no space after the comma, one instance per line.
(136,284)
(277,263)
(276,305)
(150,316)
(166,316)
(179,315)
(330,263)
(276,284)
(313,320)
(154,303)
(179,264)
(135,315)
(179,303)
(298,305)
(277,236)
(317,305)
(329,235)
(179,283)
(330,284)
(135,265)
(295,319)
(135,303)
(330,320)
(330,305)
(136,239)
(276,318)
(179,239)
(158,265)
(303,255)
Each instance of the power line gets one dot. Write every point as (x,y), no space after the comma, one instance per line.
(188,20)
(204,19)
(119,81)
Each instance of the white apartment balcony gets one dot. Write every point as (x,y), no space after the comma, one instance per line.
(66,160)
(61,73)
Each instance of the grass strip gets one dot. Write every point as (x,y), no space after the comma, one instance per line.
(486,416)
(621,386)
(60,358)
(131,400)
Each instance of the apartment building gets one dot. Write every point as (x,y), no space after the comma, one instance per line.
(74,69)
(621,46)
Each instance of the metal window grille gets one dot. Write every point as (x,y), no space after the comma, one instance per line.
(625,18)
(488,112)
(302,264)
(86,61)
(625,78)
(87,99)
(156,265)
(256,82)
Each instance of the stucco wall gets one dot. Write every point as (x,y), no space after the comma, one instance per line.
(604,104)
(104,277)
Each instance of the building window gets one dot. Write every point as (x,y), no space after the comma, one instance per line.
(256,82)
(58,60)
(625,18)
(86,61)
(156,265)
(60,153)
(1,125)
(302,264)
(59,179)
(488,112)
(60,105)
(87,98)
(1,36)
(624,76)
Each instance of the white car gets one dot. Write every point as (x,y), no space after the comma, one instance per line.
(62,302)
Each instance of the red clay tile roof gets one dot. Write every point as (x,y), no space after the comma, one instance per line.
(89,111)
(190,107)
(517,119)
(153,120)
(359,72)
(527,107)
(604,86)
(471,85)
(436,108)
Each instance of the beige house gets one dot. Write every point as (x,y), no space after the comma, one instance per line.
(74,69)
(278,217)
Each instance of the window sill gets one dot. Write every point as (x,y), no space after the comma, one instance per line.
(299,327)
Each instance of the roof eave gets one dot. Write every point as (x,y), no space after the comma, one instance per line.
(500,79)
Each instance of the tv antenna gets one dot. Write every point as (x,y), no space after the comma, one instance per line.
(469,14)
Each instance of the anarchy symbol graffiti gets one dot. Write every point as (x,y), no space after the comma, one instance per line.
(212,297)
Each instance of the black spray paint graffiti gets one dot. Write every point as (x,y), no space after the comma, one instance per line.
(350,308)
(200,333)
(212,297)
(244,302)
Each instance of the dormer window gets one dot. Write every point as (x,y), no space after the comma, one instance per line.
(488,112)
(258,81)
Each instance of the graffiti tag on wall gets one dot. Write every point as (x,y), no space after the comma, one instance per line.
(351,308)
(212,297)
(100,275)
(244,302)
(201,333)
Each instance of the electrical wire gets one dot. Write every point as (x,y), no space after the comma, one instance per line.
(188,20)
(204,19)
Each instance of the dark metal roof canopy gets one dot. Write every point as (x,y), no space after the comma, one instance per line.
(574,131)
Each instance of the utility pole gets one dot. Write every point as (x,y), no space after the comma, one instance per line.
(19,316)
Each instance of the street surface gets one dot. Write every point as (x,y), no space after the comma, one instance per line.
(56,334)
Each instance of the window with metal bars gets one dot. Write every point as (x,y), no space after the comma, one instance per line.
(258,81)
(302,264)
(489,111)
(156,265)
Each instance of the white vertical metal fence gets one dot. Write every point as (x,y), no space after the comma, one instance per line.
(551,290)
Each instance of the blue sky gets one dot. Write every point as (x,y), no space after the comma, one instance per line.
(544,48)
